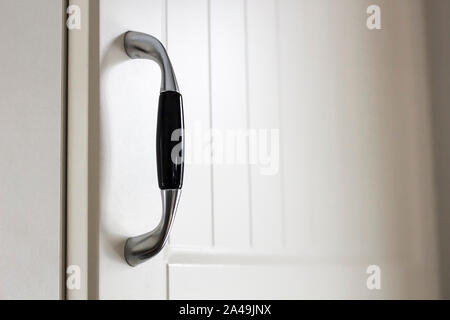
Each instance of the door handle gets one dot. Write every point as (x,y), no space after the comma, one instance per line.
(169,147)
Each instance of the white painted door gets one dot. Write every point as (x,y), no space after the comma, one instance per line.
(351,184)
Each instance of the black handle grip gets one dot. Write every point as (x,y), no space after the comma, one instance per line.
(170,141)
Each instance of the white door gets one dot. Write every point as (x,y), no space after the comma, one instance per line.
(351,185)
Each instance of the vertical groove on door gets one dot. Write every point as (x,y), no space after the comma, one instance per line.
(211,168)
(248,114)
(280,117)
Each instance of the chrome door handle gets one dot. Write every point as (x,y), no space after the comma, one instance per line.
(169,147)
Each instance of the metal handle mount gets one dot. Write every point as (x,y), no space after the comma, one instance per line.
(169,147)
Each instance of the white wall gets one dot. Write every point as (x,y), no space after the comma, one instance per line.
(31,152)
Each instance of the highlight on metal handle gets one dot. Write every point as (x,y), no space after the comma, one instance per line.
(140,45)
(169,147)
(141,248)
